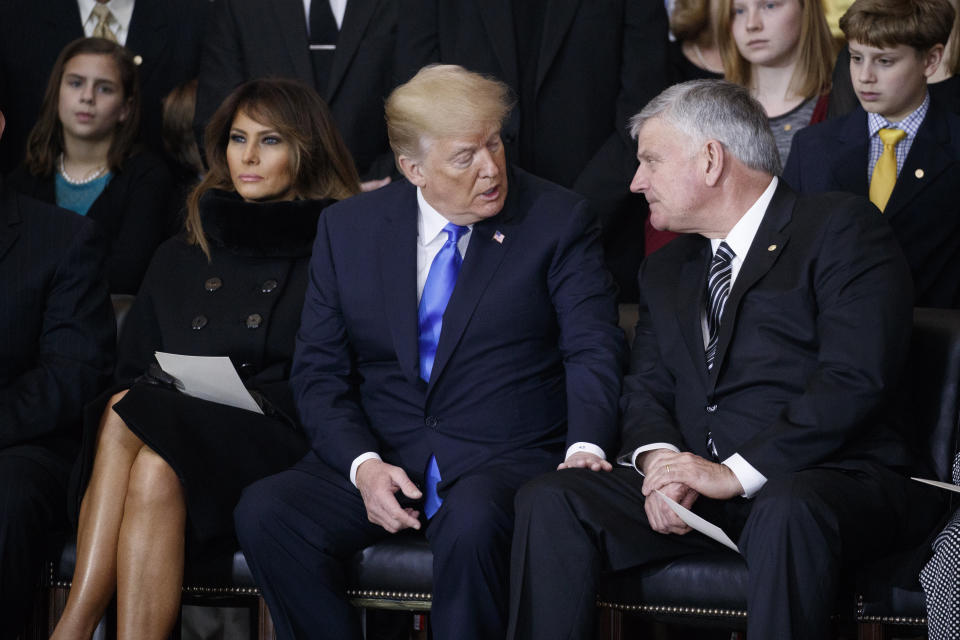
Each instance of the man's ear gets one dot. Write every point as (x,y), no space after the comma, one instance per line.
(3,123)
(713,158)
(412,170)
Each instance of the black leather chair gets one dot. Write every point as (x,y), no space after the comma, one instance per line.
(706,590)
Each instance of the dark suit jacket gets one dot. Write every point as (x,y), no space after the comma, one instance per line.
(166,35)
(814,334)
(56,327)
(134,213)
(923,211)
(529,356)
(249,39)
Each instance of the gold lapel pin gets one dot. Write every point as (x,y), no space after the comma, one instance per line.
(918,173)
(772,247)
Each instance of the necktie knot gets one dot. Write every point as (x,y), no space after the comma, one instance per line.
(103,16)
(455,232)
(890,137)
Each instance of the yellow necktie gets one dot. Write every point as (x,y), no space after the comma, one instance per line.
(885,172)
(103,16)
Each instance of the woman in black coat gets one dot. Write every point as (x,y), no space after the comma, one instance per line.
(169,467)
(81,156)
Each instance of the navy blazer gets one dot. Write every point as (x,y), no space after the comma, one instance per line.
(923,211)
(56,327)
(530,354)
(813,337)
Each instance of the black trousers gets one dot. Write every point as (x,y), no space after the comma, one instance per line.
(796,535)
(301,527)
(33,504)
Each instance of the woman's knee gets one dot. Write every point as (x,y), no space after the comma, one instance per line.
(153,483)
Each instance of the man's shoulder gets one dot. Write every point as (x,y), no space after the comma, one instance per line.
(366,210)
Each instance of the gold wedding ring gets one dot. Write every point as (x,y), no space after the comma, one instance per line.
(668,468)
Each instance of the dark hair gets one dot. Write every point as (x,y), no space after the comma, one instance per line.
(45,143)
(921,24)
(178,137)
(323,168)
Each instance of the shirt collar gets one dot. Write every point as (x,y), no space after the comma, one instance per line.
(122,10)
(910,124)
(430,222)
(740,237)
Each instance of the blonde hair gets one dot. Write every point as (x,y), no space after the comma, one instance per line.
(441,101)
(811,77)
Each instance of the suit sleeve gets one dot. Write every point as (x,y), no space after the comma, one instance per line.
(222,67)
(591,343)
(648,399)
(324,376)
(864,295)
(74,355)
(792,171)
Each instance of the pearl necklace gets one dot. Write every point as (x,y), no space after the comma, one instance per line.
(90,177)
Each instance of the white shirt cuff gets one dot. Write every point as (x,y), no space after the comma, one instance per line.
(363,457)
(630,459)
(750,479)
(585,447)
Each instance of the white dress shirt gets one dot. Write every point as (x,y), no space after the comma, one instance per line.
(739,239)
(122,11)
(339,7)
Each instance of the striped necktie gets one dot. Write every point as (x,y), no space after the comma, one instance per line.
(718,290)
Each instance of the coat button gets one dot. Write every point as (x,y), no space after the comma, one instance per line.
(254,320)
(431,422)
(212,284)
(711,408)
(199,322)
(269,286)
(246,368)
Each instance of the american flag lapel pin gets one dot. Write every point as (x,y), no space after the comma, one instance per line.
(498,237)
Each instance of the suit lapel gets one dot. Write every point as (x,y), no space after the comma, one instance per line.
(292,20)
(556,23)
(766,247)
(851,168)
(148,32)
(9,220)
(64,19)
(690,299)
(484,255)
(498,22)
(926,160)
(397,249)
(355,22)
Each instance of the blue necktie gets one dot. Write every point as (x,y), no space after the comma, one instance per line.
(433,302)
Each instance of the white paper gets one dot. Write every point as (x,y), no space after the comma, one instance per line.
(694,521)
(937,483)
(210,378)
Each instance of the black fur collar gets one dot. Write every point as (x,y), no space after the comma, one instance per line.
(268,229)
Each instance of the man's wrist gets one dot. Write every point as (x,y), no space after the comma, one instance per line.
(360,459)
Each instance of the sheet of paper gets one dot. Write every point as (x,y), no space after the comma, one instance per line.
(210,378)
(937,483)
(694,521)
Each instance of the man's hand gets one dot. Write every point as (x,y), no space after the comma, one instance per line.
(584,460)
(378,482)
(661,517)
(663,468)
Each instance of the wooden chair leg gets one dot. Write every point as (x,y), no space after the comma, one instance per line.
(610,624)
(56,602)
(266,630)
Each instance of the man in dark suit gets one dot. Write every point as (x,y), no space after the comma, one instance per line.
(579,69)
(56,352)
(508,365)
(164,37)
(890,80)
(768,341)
(345,53)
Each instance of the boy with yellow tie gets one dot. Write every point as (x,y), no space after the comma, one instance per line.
(899,148)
